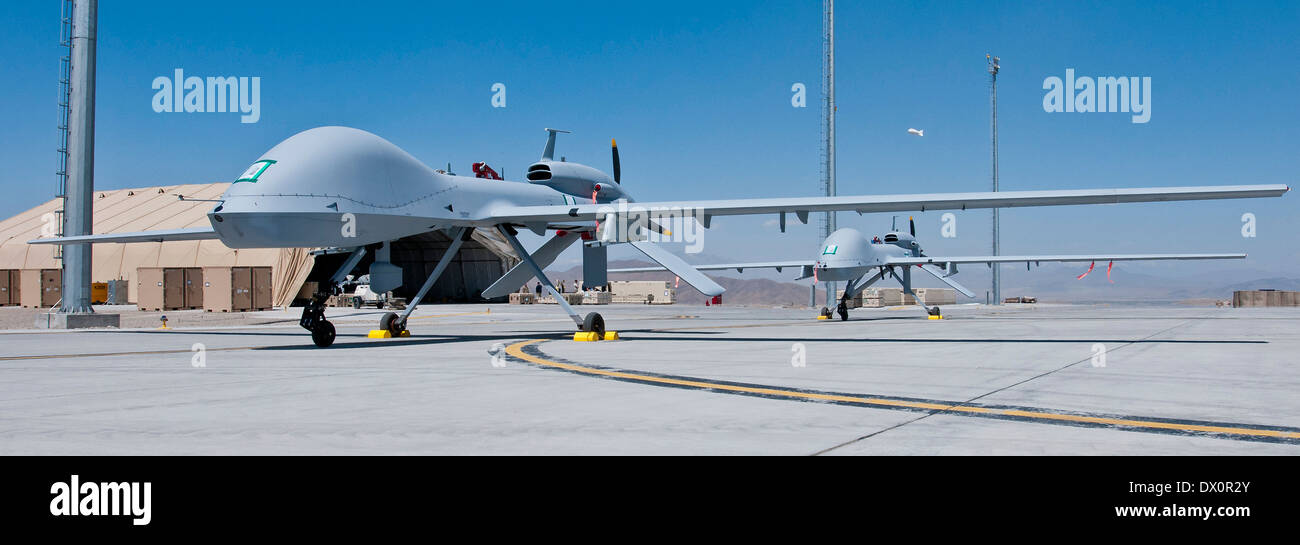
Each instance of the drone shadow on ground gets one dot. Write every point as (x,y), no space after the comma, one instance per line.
(651,335)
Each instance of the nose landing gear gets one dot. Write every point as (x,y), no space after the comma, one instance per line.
(313,320)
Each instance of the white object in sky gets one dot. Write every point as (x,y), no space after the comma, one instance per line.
(918,132)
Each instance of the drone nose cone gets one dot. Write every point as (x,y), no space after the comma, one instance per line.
(328,186)
(333,161)
(843,249)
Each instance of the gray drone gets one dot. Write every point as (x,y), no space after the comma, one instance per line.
(848,256)
(295,195)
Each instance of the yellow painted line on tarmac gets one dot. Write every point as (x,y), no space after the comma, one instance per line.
(517,351)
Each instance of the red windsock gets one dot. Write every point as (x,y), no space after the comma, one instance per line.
(1085,273)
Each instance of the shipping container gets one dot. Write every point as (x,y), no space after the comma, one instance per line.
(40,288)
(150,290)
(853,302)
(522,298)
(227,289)
(937,296)
(1265,298)
(570,298)
(117,292)
(9,294)
(261,288)
(658,292)
(168,288)
(193,287)
(597,298)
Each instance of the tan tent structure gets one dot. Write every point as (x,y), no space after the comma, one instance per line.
(144,209)
(124,210)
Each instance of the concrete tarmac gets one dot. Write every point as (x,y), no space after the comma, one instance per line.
(502,379)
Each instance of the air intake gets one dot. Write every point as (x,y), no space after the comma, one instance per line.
(539,172)
(891,238)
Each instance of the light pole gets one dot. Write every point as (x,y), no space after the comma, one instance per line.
(993,80)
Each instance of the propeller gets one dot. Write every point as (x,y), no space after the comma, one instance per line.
(613,146)
(911,225)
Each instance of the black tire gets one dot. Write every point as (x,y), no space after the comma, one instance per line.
(594,323)
(379,305)
(323,334)
(826,312)
(843,310)
(391,323)
(356,302)
(934,311)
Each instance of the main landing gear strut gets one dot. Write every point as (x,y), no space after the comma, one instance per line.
(932,312)
(395,324)
(592,323)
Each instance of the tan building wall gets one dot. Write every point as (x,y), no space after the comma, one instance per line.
(144,209)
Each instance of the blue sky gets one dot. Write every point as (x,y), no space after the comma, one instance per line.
(698,95)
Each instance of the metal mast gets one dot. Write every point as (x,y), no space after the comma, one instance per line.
(828,122)
(80,158)
(993,80)
(65,91)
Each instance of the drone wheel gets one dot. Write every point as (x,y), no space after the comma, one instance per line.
(390,322)
(323,334)
(594,323)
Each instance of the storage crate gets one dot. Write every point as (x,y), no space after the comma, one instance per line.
(40,288)
(658,292)
(227,289)
(169,288)
(117,292)
(10,279)
(596,298)
(98,293)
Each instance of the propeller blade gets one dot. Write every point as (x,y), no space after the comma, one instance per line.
(911,225)
(613,146)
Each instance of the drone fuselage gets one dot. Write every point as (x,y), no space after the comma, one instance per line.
(336,186)
(848,255)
